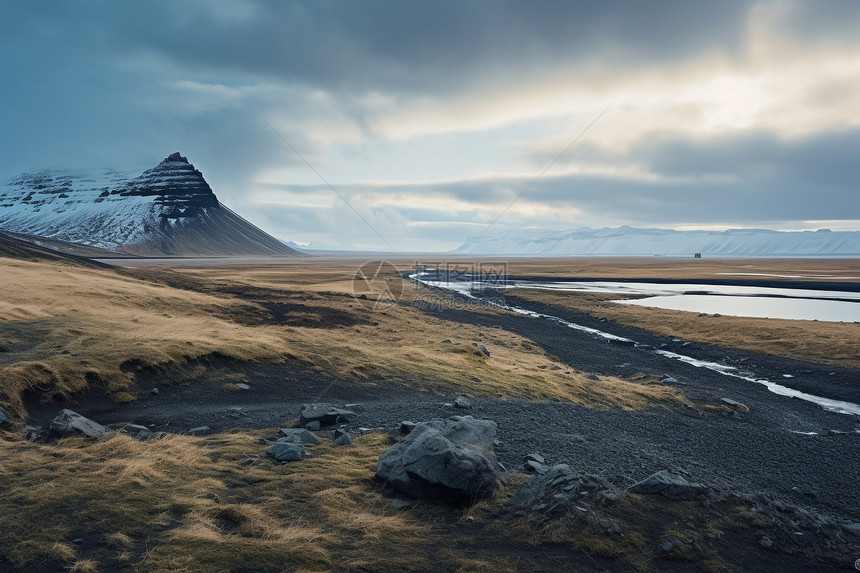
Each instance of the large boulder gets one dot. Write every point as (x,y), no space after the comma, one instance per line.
(452,460)
(68,422)
(668,485)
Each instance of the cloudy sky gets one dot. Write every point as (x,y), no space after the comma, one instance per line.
(429,119)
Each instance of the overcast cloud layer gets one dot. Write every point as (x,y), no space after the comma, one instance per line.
(431,118)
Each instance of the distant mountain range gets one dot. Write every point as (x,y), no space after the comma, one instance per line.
(634,241)
(168,210)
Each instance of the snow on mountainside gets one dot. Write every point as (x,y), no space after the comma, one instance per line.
(632,241)
(168,210)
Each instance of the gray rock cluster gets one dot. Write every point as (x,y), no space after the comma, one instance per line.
(560,490)
(451,459)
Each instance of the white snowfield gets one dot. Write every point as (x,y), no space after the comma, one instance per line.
(167,210)
(668,242)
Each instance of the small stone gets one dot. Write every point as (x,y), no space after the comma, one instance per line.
(670,545)
(285,450)
(154,391)
(407,426)
(717,315)
(852,528)
(463,403)
(535,467)
(398,503)
(242,386)
(313,426)
(765,542)
(730,402)
(669,485)
(69,422)
(199,430)
(3,417)
(669,380)
(611,497)
(298,435)
(447,341)
(343,440)
(484,350)
(476,379)
(536,457)
(137,431)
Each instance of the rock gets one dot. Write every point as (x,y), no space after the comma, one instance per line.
(138,432)
(483,349)
(476,379)
(33,432)
(343,440)
(608,526)
(716,315)
(298,435)
(447,341)
(535,458)
(670,545)
(398,503)
(242,386)
(338,432)
(668,485)
(154,391)
(69,422)
(450,459)
(535,467)
(407,426)
(852,528)
(610,496)
(765,542)
(463,403)
(557,491)
(285,450)
(313,426)
(199,430)
(669,380)
(3,417)
(730,402)
(325,414)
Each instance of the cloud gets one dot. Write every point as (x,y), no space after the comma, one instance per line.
(432,117)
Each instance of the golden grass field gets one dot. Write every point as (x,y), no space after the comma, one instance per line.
(69,328)
(216,503)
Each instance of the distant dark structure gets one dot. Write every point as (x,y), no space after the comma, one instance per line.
(697,256)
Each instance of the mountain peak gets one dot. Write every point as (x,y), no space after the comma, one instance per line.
(175,157)
(168,209)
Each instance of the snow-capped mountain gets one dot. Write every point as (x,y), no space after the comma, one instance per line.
(167,210)
(632,241)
